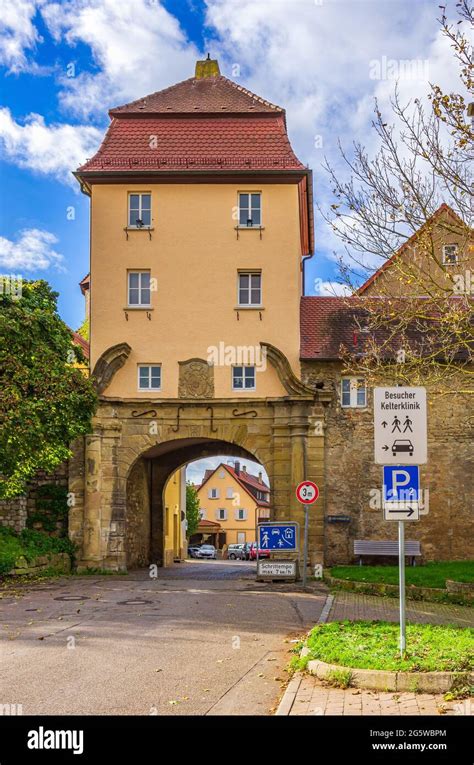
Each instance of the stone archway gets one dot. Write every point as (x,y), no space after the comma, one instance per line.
(145,489)
(282,434)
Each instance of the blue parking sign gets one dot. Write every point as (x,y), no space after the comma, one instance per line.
(401,483)
(276,536)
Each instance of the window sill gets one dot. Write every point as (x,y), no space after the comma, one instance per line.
(250,228)
(244,390)
(249,308)
(138,308)
(139,228)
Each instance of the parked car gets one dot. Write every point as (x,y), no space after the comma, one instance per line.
(236,552)
(261,553)
(247,548)
(207,551)
(193,551)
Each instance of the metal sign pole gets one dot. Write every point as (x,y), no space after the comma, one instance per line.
(401,566)
(305,557)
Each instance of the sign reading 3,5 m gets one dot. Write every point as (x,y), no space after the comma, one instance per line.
(400,432)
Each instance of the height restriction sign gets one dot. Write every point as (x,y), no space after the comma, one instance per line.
(307,492)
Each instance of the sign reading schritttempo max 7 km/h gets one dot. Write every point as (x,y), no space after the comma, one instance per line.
(400,426)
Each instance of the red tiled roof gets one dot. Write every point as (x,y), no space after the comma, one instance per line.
(244,479)
(195,143)
(77,339)
(325,324)
(251,480)
(207,95)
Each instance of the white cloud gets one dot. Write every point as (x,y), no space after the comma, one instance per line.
(139,48)
(33,251)
(330,288)
(17,33)
(47,149)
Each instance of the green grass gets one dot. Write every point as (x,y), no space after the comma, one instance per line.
(429,575)
(374,645)
(30,544)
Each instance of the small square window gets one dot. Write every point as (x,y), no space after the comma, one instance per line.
(139,210)
(243,378)
(450,254)
(250,213)
(139,288)
(149,377)
(250,289)
(353,392)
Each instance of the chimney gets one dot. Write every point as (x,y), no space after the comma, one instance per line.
(237,467)
(244,468)
(207,68)
(260,477)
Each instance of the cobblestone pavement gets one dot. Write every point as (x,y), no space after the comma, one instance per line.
(351,605)
(306,695)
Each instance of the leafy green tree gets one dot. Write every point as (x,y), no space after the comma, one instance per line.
(192,510)
(45,401)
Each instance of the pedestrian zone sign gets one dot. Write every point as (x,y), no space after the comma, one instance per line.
(276,536)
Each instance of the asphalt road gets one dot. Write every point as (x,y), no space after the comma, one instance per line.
(202,638)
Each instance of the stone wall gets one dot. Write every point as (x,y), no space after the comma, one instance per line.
(446,526)
(15,512)
(137,534)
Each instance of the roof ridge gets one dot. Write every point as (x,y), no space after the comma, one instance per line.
(252,94)
(150,95)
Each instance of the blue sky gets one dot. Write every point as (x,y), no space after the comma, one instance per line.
(65,63)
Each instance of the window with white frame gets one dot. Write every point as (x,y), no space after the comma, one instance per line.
(221,514)
(139,289)
(139,210)
(353,392)
(250,288)
(230,493)
(213,494)
(240,514)
(222,474)
(202,513)
(243,378)
(241,537)
(450,254)
(149,376)
(250,209)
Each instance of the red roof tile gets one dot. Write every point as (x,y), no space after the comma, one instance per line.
(325,324)
(77,339)
(195,143)
(207,95)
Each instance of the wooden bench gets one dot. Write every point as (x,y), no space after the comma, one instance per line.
(385,547)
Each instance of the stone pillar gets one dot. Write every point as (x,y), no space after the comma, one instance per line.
(91,549)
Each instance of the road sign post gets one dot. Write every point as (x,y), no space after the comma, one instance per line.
(400,431)
(401,586)
(307,493)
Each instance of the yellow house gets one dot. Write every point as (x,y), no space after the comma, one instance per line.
(232,501)
(175,546)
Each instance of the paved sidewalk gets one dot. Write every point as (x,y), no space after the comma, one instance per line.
(306,695)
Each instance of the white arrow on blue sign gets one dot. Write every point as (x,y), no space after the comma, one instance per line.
(401,492)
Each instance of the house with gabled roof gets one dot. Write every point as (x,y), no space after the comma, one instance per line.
(232,502)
